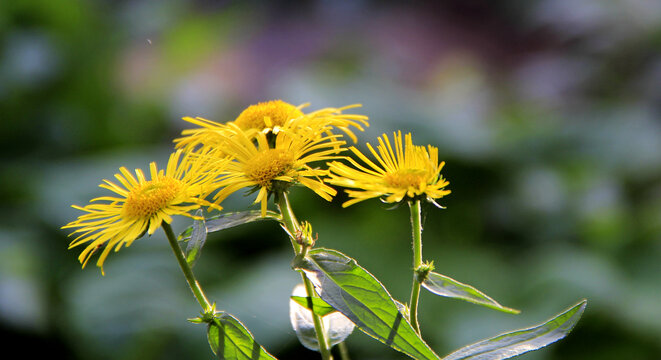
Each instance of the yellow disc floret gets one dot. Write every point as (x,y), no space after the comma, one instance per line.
(268,165)
(151,197)
(267,115)
(407,178)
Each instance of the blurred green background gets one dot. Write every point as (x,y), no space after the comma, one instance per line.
(546,113)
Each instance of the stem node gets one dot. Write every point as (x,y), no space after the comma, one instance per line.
(301,240)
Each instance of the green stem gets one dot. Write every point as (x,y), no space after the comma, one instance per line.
(289,220)
(188,272)
(417,261)
(344,351)
(324,347)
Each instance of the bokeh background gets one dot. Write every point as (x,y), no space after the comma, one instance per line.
(546,113)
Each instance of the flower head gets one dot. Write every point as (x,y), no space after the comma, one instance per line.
(270,167)
(405,171)
(271,116)
(267,115)
(140,205)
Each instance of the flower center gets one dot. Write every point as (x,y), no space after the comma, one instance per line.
(268,165)
(406,178)
(267,115)
(151,197)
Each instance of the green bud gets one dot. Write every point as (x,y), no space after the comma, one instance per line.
(423,271)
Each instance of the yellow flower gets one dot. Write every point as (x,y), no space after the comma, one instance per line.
(140,205)
(270,169)
(270,116)
(267,115)
(407,171)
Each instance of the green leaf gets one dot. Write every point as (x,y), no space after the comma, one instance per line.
(197,239)
(229,220)
(446,286)
(518,342)
(358,295)
(229,339)
(319,306)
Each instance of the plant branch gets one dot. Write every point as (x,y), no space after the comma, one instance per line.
(416,228)
(186,269)
(292,226)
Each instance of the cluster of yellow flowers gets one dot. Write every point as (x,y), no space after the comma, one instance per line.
(269,147)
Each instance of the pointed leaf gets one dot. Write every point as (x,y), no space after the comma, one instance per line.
(508,345)
(197,239)
(446,286)
(229,220)
(358,295)
(229,339)
(336,326)
(319,306)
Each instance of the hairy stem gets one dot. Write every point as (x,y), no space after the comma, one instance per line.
(416,228)
(186,269)
(290,223)
(289,220)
